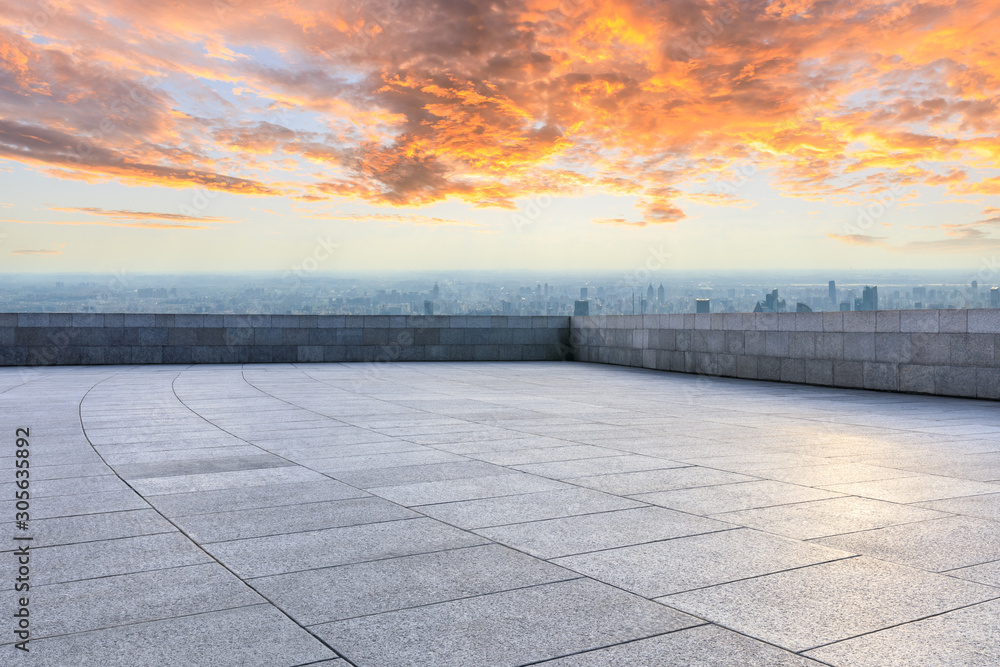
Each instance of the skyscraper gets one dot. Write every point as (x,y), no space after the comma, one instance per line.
(583,294)
(833,291)
(649,293)
(995,297)
(869,298)
(702,305)
(661,294)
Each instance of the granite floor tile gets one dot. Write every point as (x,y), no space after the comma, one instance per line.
(338,464)
(817,605)
(733,497)
(241,479)
(416,474)
(526,507)
(544,455)
(987,573)
(916,489)
(503,629)
(92,604)
(598,466)
(702,646)
(589,532)
(278,554)
(88,560)
(94,527)
(260,522)
(427,493)
(833,473)
(685,563)
(935,545)
(229,638)
(823,518)
(969,636)
(337,593)
(983,507)
(275,495)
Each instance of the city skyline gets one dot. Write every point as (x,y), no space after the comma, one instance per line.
(523,134)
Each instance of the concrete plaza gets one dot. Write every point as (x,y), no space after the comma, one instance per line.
(496,514)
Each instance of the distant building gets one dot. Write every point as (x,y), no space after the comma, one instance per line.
(770,304)
(649,293)
(661,294)
(833,291)
(436,292)
(428,307)
(581,307)
(995,297)
(702,305)
(802,308)
(869,299)
(583,294)
(845,306)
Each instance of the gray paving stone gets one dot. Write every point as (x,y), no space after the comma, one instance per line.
(598,466)
(935,545)
(969,636)
(427,493)
(94,527)
(88,560)
(916,488)
(66,608)
(793,609)
(229,638)
(823,518)
(263,556)
(733,497)
(833,473)
(240,479)
(275,495)
(659,480)
(89,503)
(685,563)
(526,507)
(589,532)
(702,646)
(132,471)
(68,486)
(984,506)
(503,629)
(544,455)
(337,464)
(415,474)
(337,593)
(259,522)
(987,573)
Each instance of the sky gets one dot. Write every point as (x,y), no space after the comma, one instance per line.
(396,135)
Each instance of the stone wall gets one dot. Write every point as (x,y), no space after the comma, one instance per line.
(945,352)
(36,339)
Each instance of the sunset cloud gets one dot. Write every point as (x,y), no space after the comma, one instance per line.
(39,253)
(139,215)
(489,102)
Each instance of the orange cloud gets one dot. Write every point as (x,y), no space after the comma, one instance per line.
(37,253)
(140,215)
(408,104)
(101,223)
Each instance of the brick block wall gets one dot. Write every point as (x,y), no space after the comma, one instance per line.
(43,339)
(944,352)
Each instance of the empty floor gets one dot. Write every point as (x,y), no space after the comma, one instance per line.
(497,514)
